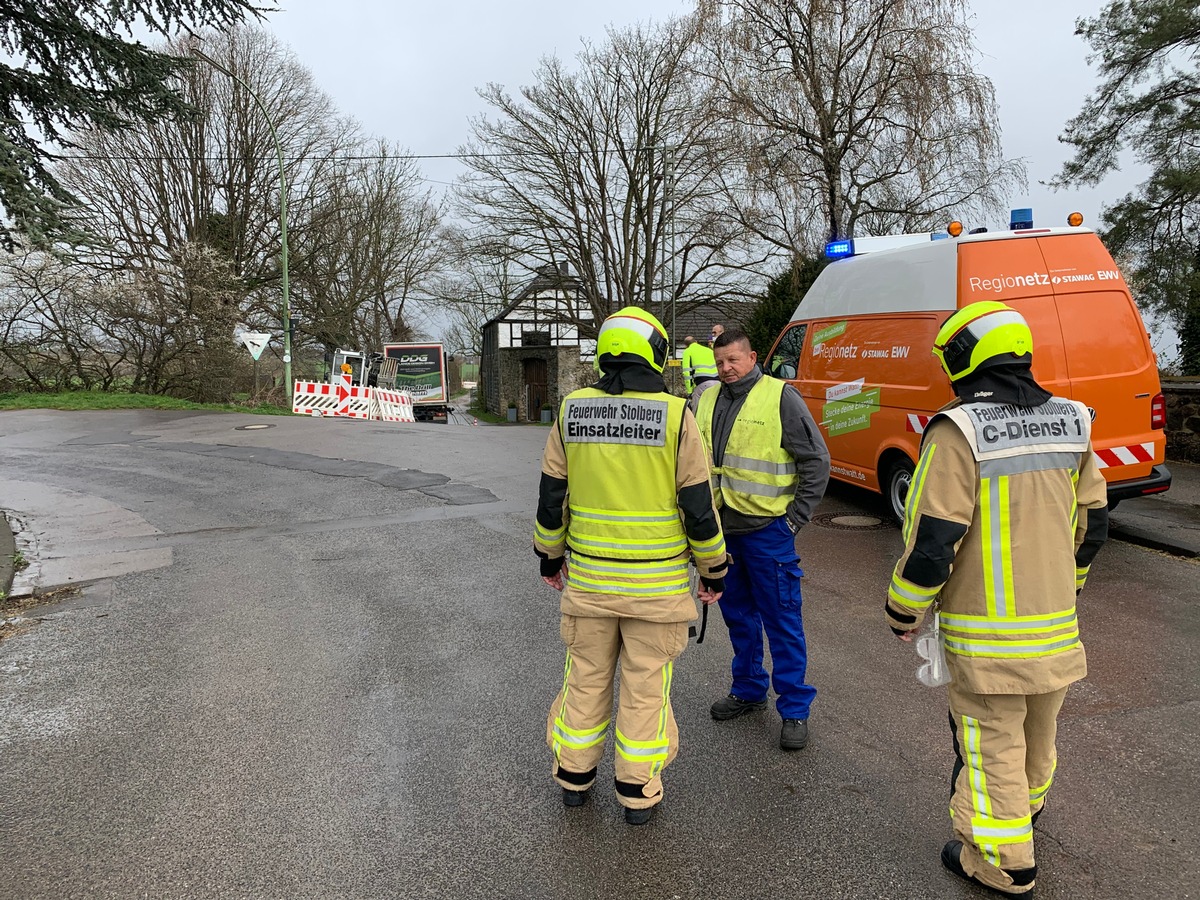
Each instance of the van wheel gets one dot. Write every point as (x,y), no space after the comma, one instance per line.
(899,480)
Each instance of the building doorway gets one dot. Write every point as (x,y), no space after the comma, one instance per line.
(536,391)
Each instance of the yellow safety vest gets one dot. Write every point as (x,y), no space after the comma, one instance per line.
(698,362)
(757,476)
(621,455)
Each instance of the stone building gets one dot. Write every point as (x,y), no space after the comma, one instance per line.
(533,353)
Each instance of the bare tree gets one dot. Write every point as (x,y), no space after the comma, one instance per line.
(372,248)
(212,179)
(608,169)
(482,275)
(174,325)
(51,334)
(855,115)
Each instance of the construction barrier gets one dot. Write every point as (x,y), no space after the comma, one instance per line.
(314,398)
(394,406)
(342,388)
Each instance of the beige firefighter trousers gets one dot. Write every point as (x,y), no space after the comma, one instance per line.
(646,735)
(1006,762)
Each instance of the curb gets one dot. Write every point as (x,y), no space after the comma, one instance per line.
(8,550)
(1131,534)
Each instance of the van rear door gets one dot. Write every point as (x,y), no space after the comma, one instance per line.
(1013,271)
(1108,355)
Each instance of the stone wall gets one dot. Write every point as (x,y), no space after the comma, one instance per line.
(565,372)
(1183,420)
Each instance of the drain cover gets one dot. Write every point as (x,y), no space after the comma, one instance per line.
(851,522)
(252,427)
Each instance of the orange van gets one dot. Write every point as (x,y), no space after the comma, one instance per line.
(859,347)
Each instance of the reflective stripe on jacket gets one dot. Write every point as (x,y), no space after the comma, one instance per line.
(756,475)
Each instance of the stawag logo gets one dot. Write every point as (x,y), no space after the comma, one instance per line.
(1102,275)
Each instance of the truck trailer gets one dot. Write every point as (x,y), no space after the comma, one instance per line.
(421,371)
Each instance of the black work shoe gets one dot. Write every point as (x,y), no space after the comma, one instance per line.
(951,859)
(638,816)
(731,707)
(573,798)
(794,734)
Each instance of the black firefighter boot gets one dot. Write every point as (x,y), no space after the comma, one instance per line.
(951,859)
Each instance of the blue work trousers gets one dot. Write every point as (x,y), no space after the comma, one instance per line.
(762,593)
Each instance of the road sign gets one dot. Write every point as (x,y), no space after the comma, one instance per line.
(255,342)
(342,393)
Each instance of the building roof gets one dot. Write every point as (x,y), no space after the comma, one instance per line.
(547,278)
(699,321)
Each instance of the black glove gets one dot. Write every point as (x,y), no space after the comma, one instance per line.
(550,567)
(716,585)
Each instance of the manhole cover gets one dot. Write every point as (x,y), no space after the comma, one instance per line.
(252,427)
(851,522)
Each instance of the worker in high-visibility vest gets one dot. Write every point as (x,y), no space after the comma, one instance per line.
(770,468)
(625,490)
(1006,511)
(699,364)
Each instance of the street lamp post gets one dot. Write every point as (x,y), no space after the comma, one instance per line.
(283,245)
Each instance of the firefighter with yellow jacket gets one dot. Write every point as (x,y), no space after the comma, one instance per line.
(625,489)
(1006,511)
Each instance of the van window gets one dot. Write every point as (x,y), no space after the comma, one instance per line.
(786,359)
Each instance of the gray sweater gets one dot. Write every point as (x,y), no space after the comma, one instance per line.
(801,438)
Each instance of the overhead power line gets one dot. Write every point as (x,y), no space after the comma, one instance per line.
(132,157)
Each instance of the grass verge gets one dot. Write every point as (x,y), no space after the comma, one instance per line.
(82,400)
(484,416)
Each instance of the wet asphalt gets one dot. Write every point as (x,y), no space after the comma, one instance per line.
(314,660)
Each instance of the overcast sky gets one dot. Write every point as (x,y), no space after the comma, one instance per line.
(408,72)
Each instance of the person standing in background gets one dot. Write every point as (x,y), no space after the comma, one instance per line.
(770,469)
(699,365)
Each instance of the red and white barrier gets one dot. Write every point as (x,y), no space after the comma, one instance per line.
(342,388)
(394,406)
(314,398)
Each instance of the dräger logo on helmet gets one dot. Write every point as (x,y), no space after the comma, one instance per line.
(1001,283)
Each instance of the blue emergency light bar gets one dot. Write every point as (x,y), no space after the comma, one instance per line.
(1020,219)
(848,247)
(839,249)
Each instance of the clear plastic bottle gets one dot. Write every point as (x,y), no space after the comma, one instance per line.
(933,672)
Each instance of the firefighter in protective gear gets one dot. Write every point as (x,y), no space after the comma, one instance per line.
(625,491)
(699,364)
(1006,511)
(770,468)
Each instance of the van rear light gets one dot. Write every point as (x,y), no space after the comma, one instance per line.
(1158,411)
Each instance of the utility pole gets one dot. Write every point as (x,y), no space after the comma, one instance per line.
(283,245)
